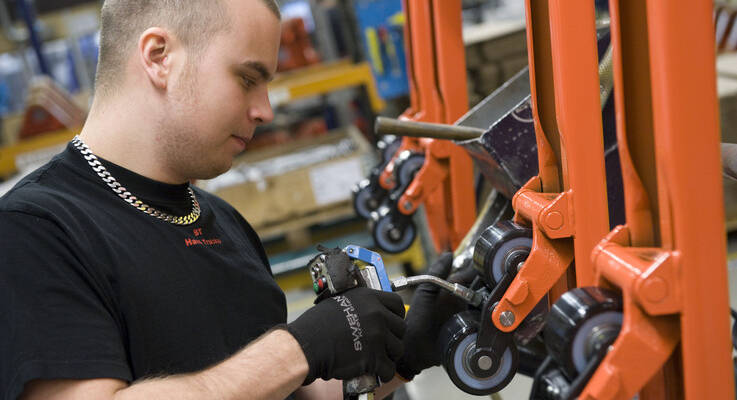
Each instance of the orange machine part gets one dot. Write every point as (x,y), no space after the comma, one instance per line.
(445,158)
(444,184)
(425,101)
(649,331)
(578,112)
(543,108)
(569,220)
(674,288)
(682,108)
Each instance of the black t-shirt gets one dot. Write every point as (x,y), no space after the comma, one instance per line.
(91,287)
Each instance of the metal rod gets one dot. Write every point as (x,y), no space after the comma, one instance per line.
(390,126)
(468,295)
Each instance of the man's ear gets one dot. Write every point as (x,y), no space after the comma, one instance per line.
(155,48)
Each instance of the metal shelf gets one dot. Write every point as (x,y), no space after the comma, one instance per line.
(322,79)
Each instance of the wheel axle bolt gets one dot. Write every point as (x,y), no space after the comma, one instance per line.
(655,289)
(485,363)
(395,234)
(554,220)
(506,318)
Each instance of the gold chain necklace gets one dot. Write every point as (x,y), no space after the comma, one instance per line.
(132,200)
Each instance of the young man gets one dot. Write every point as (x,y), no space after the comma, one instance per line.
(120,281)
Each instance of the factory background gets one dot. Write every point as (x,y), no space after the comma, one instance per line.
(342,64)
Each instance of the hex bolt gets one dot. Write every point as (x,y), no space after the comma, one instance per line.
(506,318)
(655,289)
(485,363)
(407,205)
(554,220)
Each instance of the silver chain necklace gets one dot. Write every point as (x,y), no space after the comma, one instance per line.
(132,200)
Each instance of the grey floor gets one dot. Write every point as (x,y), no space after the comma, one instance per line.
(434,384)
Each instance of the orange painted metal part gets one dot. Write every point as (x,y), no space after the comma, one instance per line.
(558,236)
(681,109)
(444,184)
(670,268)
(425,101)
(650,331)
(387,180)
(427,106)
(450,58)
(633,105)
(543,107)
(552,251)
(578,111)
(442,158)
(543,95)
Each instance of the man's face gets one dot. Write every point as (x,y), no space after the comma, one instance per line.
(218,99)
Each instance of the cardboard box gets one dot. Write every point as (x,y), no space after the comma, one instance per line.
(316,179)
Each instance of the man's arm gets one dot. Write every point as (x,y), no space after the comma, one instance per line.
(318,344)
(271,367)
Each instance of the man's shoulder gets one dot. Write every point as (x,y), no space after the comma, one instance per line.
(43,189)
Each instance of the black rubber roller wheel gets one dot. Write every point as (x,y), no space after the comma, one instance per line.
(501,247)
(457,342)
(406,167)
(387,147)
(366,199)
(580,323)
(392,233)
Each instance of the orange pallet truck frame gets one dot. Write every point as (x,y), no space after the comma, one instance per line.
(571,181)
(668,261)
(444,182)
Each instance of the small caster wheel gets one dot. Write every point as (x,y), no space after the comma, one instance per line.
(387,147)
(502,247)
(391,234)
(457,341)
(579,324)
(367,198)
(406,167)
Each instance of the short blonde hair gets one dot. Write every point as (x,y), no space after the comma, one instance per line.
(194,22)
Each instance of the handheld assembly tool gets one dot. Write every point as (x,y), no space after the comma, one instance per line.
(367,269)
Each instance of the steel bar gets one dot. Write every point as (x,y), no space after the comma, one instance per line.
(391,126)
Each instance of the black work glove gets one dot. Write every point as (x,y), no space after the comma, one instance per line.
(355,333)
(343,273)
(431,307)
